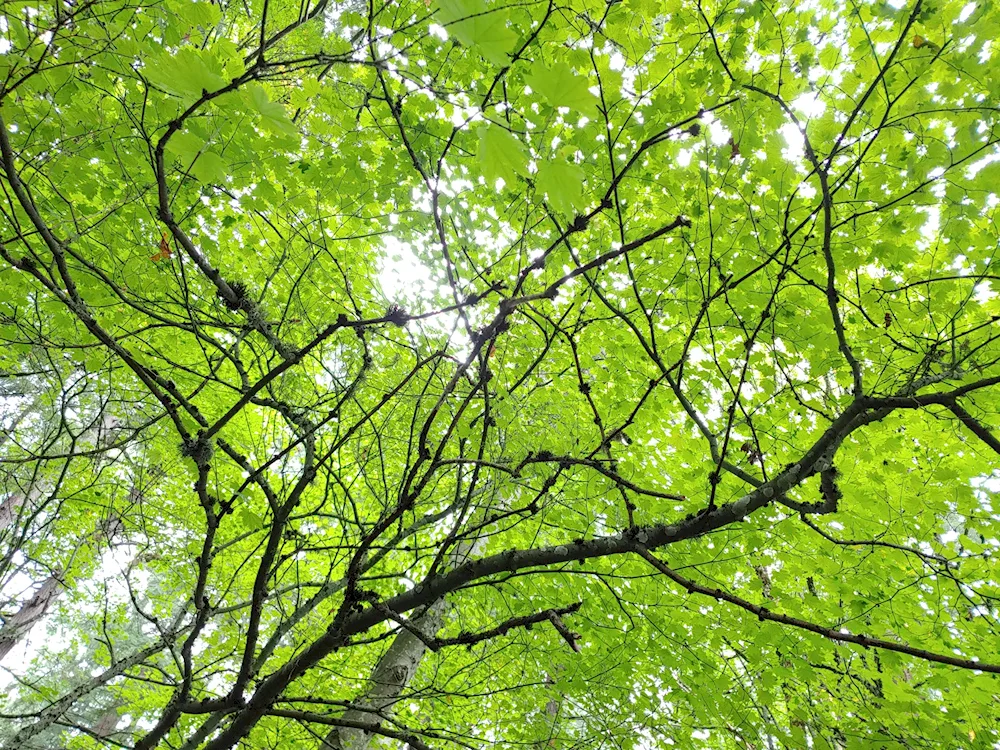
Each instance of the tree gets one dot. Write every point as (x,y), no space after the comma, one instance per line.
(452,373)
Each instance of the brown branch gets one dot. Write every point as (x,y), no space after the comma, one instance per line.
(874,543)
(833,634)
(569,636)
(468,639)
(333,721)
(975,426)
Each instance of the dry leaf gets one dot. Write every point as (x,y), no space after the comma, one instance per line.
(166,252)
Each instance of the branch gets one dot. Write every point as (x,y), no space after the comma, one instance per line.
(569,636)
(975,426)
(925,556)
(333,721)
(468,639)
(837,635)
(51,713)
(340,631)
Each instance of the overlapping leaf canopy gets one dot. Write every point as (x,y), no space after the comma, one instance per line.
(460,373)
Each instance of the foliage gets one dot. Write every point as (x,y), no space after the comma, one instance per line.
(462,373)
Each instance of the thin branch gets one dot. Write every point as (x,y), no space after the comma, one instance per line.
(837,635)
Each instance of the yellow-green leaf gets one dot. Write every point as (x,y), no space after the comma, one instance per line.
(501,155)
(562,184)
(564,88)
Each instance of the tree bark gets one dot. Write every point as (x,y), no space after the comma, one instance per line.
(400,662)
(389,679)
(13,502)
(17,625)
(30,612)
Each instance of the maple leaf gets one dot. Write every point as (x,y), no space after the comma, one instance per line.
(166,252)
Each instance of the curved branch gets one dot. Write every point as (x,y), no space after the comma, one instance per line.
(837,635)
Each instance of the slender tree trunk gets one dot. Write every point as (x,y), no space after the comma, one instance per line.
(389,678)
(51,713)
(399,663)
(12,504)
(107,723)
(17,625)
(11,430)
(30,612)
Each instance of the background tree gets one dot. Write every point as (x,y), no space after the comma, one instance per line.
(464,373)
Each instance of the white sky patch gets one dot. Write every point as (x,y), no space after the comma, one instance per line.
(973,169)
(990,483)
(933,223)
(402,273)
(809,104)
(718,133)
(949,536)
(795,148)
(462,116)
(406,280)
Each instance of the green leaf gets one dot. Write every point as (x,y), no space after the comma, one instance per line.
(477,26)
(249,519)
(188,73)
(185,144)
(273,115)
(564,88)
(198,13)
(501,155)
(210,167)
(562,184)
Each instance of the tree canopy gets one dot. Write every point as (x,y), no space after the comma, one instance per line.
(480,373)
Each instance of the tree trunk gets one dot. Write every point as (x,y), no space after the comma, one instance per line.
(12,504)
(389,678)
(400,662)
(17,625)
(30,612)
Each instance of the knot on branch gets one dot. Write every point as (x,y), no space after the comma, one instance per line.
(240,300)
(828,488)
(568,635)
(396,315)
(286,351)
(198,449)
